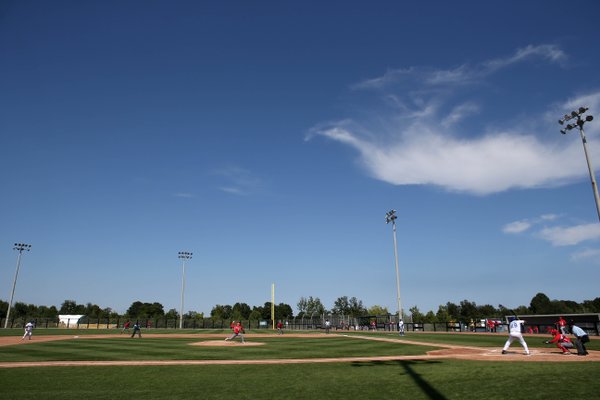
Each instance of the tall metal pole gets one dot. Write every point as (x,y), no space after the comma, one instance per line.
(184,256)
(20,247)
(391,217)
(592,175)
(579,122)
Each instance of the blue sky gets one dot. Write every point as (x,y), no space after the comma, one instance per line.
(270,138)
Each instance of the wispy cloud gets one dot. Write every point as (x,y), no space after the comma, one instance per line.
(547,52)
(586,254)
(572,235)
(464,73)
(421,141)
(517,227)
(240,181)
(525,224)
(184,195)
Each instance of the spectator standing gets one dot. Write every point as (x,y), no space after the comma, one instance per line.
(401,327)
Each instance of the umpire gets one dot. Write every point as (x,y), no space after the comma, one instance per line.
(582,339)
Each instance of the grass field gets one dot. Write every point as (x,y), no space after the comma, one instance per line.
(414,379)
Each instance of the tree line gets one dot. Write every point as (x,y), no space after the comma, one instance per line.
(308,307)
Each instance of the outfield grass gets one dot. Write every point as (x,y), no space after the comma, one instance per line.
(431,379)
(443,379)
(148,348)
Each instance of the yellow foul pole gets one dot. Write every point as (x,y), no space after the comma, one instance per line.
(273,304)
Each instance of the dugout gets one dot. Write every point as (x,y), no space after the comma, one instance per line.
(588,322)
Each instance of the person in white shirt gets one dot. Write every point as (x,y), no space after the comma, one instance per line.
(401,327)
(582,338)
(515,328)
(28,330)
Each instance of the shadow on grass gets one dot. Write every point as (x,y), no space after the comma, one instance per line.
(427,389)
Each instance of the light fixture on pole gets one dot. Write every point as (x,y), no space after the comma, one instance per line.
(390,216)
(579,122)
(184,256)
(20,247)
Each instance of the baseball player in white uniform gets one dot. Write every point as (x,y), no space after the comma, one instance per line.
(514,328)
(28,330)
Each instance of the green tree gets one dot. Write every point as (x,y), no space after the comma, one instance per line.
(341,306)
(468,310)
(221,312)
(314,306)
(47,312)
(310,306)
(172,314)
(3,308)
(256,314)
(302,306)
(377,310)
(283,311)
(442,314)
(592,306)
(416,315)
(430,317)
(487,311)
(145,310)
(22,310)
(453,310)
(357,308)
(241,311)
(540,304)
(70,307)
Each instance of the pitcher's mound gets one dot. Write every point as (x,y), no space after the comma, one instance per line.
(220,343)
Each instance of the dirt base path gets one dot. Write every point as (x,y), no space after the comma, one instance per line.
(446,352)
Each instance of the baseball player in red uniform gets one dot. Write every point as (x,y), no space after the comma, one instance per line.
(238,330)
(561,341)
(562,325)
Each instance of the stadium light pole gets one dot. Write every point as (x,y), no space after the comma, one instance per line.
(579,122)
(391,217)
(20,247)
(184,256)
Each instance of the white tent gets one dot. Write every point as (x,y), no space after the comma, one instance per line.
(69,320)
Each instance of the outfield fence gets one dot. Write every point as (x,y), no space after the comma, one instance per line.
(369,323)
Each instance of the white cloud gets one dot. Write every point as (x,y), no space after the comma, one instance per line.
(525,224)
(421,144)
(240,181)
(586,254)
(547,52)
(463,73)
(489,164)
(459,113)
(516,227)
(568,236)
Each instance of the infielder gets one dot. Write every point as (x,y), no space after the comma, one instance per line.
(28,330)
(514,328)
(401,327)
